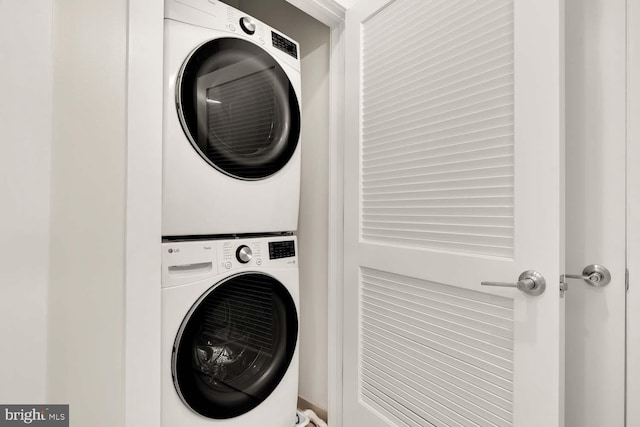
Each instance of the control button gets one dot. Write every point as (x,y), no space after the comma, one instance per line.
(232,27)
(244,254)
(227,265)
(259,261)
(247,25)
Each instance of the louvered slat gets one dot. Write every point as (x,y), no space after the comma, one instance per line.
(437,126)
(460,220)
(433,354)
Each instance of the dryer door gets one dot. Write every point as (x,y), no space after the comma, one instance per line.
(238,108)
(235,345)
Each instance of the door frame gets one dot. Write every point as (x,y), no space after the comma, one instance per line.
(633,213)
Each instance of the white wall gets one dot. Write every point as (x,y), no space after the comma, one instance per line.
(313,224)
(25,132)
(86,293)
(313,37)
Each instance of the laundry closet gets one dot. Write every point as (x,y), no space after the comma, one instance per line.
(107,203)
(83,313)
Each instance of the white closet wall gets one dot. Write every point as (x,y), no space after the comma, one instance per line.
(25,131)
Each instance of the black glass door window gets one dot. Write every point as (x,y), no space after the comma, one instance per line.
(235,346)
(238,108)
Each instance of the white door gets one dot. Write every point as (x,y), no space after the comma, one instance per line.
(595,212)
(453,175)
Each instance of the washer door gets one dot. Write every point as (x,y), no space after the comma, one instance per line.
(235,345)
(238,108)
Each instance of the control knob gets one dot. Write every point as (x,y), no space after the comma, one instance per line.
(244,254)
(247,24)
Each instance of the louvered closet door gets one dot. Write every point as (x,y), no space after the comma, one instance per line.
(453,176)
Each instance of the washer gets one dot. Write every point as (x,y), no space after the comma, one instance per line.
(231,123)
(230,333)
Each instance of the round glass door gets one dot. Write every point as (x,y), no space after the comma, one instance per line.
(235,346)
(238,108)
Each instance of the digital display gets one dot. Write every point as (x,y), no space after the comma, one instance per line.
(284,45)
(284,249)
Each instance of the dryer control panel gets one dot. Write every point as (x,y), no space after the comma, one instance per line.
(284,44)
(216,15)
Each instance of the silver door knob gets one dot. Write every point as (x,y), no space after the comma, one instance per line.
(530,282)
(594,274)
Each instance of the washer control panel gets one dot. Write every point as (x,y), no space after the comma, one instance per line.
(258,252)
(190,261)
(282,249)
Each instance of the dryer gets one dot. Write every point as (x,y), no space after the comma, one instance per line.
(230,333)
(231,123)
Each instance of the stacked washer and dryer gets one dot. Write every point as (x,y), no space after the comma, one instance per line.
(231,183)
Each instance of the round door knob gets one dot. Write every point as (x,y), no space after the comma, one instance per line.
(244,254)
(247,24)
